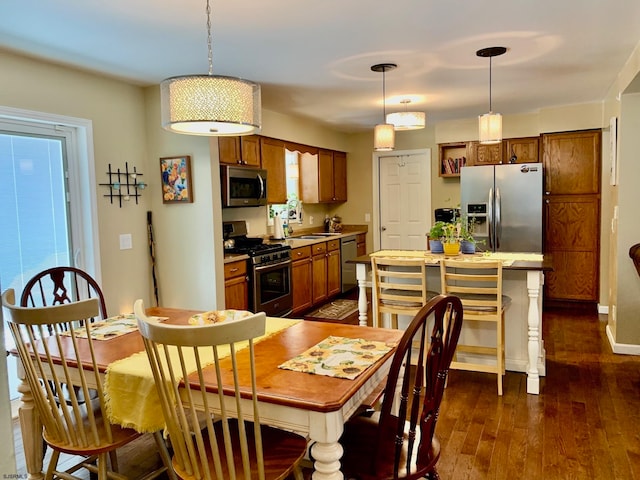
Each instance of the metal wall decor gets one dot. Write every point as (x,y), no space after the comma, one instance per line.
(124,185)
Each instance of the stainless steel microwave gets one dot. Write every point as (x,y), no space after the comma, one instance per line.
(243,186)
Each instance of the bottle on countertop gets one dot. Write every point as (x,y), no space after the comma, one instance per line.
(326,223)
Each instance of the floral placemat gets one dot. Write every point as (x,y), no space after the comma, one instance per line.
(338,357)
(112,327)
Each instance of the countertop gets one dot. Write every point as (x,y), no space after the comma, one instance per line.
(296,242)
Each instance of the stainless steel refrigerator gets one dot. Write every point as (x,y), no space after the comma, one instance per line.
(505,204)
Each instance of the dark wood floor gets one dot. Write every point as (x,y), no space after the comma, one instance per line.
(585,424)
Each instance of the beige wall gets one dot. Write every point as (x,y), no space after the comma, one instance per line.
(117,111)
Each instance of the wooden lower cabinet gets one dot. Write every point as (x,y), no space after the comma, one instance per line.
(301,279)
(319,268)
(236,285)
(334,268)
(572,223)
(361,244)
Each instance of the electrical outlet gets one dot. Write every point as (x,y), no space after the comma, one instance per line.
(310,219)
(367,217)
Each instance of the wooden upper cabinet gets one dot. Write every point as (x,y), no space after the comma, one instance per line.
(480,154)
(525,150)
(339,176)
(273,161)
(323,177)
(572,162)
(244,150)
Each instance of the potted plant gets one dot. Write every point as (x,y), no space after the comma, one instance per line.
(451,239)
(436,234)
(467,241)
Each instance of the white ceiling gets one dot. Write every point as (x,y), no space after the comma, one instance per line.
(313,58)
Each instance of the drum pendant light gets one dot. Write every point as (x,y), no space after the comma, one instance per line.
(490,124)
(384,133)
(210,104)
(406,120)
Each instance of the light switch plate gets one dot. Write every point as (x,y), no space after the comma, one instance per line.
(126,242)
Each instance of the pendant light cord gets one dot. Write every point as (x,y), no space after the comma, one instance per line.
(209,42)
(490,62)
(384,104)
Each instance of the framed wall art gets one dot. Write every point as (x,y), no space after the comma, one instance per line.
(176,179)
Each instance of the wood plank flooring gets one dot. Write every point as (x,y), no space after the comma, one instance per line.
(584,425)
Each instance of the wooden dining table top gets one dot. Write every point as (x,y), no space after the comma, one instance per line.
(277,386)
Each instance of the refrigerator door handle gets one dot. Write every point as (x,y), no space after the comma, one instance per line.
(498,218)
(490,218)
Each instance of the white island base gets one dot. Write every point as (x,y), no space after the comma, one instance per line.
(522,281)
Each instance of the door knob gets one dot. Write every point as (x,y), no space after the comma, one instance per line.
(383,228)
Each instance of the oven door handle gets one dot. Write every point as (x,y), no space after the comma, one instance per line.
(272,266)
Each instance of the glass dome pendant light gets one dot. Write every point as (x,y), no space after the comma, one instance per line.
(212,105)
(490,124)
(384,133)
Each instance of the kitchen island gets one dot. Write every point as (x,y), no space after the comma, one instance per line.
(523,277)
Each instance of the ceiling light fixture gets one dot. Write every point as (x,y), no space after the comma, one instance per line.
(406,120)
(383,135)
(210,104)
(490,124)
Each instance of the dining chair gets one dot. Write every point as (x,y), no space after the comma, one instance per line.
(397,441)
(399,287)
(57,286)
(479,286)
(49,340)
(231,442)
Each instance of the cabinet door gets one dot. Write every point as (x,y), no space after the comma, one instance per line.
(571,162)
(301,282)
(319,268)
(334,266)
(325,176)
(250,150)
(525,150)
(362,244)
(572,226)
(229,150)
(339,176)
(236,293)
(273,160)
(485,154)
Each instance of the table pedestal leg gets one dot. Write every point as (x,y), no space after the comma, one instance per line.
(534,280)
(361,275)
(31,428)
(326,461)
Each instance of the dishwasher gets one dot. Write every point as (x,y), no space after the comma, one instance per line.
(348,251)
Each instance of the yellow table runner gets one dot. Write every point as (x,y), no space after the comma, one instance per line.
(132,399)
(338,357)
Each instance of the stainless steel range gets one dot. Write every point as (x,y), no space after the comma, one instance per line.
(269,270)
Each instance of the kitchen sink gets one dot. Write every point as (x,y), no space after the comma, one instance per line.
(309,237)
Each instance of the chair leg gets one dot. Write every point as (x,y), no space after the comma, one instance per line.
(102,466)
(164,454)
(499,354)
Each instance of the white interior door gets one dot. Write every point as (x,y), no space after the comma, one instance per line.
(404,200)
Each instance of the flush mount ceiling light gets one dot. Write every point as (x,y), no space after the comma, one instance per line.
(210,104)
(406,120)
(490,124)
(384,134)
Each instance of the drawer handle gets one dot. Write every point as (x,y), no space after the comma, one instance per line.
(234,270)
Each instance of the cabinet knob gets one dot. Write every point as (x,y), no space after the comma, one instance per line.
(547,193)
(233,270)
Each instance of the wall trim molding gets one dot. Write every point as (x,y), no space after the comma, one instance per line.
(621,348)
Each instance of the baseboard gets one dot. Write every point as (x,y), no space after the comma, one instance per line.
(621,348)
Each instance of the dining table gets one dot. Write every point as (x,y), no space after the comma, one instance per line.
(316,406)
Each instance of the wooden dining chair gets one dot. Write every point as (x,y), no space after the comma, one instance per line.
(398,441)
(60,285)
(479,286)
(399,287)
(49,340)
(230,443)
